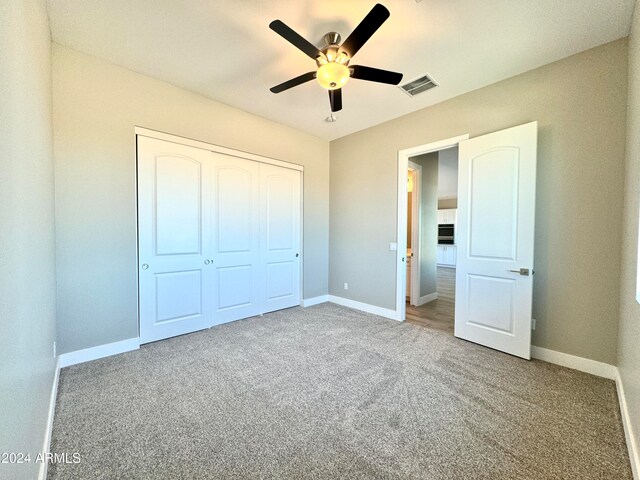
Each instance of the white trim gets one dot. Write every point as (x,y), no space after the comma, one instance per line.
(427,298)
(401,238)
(577,363)
(634,452)
(434,146)
(364,307)
(309,302)
(146,132)
(301,238)
(101,351)
(42,473)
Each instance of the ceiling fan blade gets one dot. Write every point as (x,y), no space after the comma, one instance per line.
(375,75)
(367,27)
(335,98)
(294,38)
(294,82)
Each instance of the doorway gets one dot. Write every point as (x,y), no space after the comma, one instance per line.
(426,256)
(431,243)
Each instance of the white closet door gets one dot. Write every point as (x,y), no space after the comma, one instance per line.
(173,213)
(280,224)
(238,279)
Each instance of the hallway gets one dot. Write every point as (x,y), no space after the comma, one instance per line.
(437,314)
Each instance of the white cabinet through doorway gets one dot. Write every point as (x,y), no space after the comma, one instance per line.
(447,255)
(447,216)
(219,238)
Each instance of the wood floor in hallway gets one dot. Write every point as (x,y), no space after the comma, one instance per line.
(437,314)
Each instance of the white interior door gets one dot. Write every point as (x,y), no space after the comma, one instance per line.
(280,224)
(239,278)
(173,211)
(496,210)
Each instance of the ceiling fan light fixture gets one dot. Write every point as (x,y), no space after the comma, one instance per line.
(342,58)
(333,75)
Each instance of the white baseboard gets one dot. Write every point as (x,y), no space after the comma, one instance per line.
(101,351)
(308,302)
(586,365)
(365,307)
(427,298)
(42,473)
(634,453)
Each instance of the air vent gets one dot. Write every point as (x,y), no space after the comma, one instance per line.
(419,85)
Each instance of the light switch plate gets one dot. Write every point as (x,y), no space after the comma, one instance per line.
(393,246)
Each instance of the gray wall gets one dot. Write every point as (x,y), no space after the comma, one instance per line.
(428,222)
(27,263)
(448,175)
(580,105)
(96,106)
(629,329)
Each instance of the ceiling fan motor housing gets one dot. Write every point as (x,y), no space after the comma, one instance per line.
(332,38)
(331,51)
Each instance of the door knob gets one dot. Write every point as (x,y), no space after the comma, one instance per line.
(145,266)
(207,262)
(522,271)
(297,255)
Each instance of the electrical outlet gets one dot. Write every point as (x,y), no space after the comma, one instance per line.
(533,324)
(54,349)
(346,286)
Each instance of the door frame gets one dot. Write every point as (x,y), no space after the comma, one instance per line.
(416,224)
(147,132)
(401,232)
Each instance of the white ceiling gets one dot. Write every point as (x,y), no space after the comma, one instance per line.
(224,49)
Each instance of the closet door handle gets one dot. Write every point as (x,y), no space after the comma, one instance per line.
(207,262)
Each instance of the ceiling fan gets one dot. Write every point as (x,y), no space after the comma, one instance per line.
(333,70)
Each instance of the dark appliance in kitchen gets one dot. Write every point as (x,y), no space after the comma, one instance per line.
(446,234)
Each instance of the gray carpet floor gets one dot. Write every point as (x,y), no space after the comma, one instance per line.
(328,392)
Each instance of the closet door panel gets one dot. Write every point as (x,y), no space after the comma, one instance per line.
(280,204)
(235,208)
(173,207)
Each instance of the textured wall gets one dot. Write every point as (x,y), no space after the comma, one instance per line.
(27,248)
(580,105)
(629,330)
(96,106)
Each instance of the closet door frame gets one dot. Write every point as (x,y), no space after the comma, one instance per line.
(146,132)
